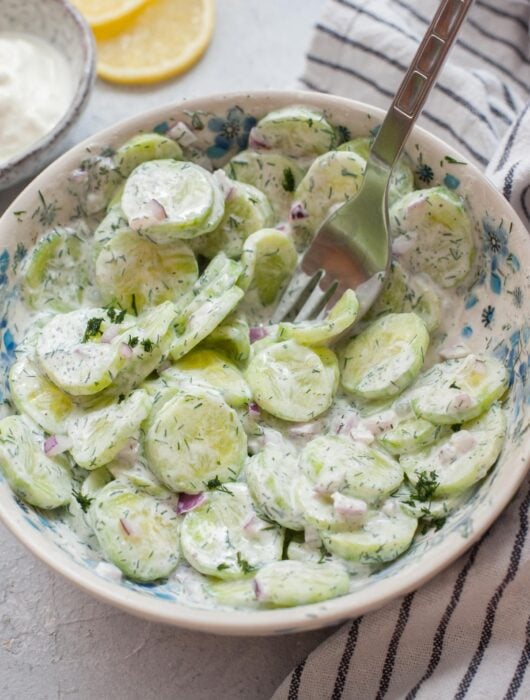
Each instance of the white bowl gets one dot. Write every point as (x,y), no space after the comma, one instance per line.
(493,314)
(59,23)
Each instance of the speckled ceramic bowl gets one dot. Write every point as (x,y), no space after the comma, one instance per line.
(58,22)
(492,314)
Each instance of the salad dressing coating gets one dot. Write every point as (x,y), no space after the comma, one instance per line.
(270,465)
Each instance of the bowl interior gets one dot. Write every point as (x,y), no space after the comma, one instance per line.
(59,23)
(490,315)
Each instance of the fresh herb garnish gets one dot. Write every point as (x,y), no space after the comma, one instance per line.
(121,398)
(115,315)
(288,180)
(147,345)
(221,567)
(84,501)
(132,342)
(93,329)
(423,490)
(244,565)
(217,485)
(133,305)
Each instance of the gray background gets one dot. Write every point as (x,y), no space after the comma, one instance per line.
(57,642)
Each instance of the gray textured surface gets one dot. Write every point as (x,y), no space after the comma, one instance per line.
(57,642)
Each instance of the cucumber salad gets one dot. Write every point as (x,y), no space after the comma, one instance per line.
(266,465)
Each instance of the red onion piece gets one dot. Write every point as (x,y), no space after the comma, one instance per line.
(126,351)
(110,333)
(254,411)
(56,445)
(347,507)
(256,140)
(258,590)
(182,133)
(257,333)
(305,429)
(297,212)
(189,501)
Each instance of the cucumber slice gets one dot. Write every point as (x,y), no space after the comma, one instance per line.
(142,148)
(149,337)
(463,389)
(194,438)
(134,471)
(136,532)
(464,458)
(318,509)
(34,394)
(42,481)
(170,199)
(384,535)
(332,179)
(271,476)
(410,435)
(204,320)
(135,272)
(334,463)
(77,367)
(247,210)
(284,584)
(238,593)
(293,382)
(98,435)
(57,274)
(402,179)
(434,234)
(273,260)
(433,511)
(231,337)
(213,369)
(95,481)
(341,317)
(225,537)
(386,357)
(220,275)
(296,131)
(113,222)
(276,175)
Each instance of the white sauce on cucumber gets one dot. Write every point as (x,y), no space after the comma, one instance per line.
(300,421)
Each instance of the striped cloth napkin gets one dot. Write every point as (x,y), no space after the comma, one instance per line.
(466,634)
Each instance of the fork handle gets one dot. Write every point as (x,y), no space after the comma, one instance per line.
(418,81)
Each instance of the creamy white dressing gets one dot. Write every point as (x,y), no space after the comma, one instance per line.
(36,87)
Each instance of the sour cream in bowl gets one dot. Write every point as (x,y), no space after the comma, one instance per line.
(46,74)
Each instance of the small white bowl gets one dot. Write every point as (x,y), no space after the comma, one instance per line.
(59,23)
(493,314)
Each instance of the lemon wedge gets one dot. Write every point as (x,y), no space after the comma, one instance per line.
(106,17)
(164,38)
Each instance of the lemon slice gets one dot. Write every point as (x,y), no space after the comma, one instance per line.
(108,16)
(165,38)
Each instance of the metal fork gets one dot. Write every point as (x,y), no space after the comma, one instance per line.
(351,250)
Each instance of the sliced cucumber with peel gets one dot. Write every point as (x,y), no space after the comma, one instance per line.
(341,317)
(287,583)
(194,437)
(225,537)
(137,533)
(170,199)
(462,459)
(386,357)
(332,179)
(458,390)
(433,234)
(275,174)
(144,147)
(39,479)
(161,273)
(383,536)
(270,258)
(297,131)
(99,434)
(293,382)
(231,337)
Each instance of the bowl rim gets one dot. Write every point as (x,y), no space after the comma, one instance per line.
(77,102)
(271,621)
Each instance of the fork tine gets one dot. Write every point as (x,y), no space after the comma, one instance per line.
(317,300)
(300,287)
